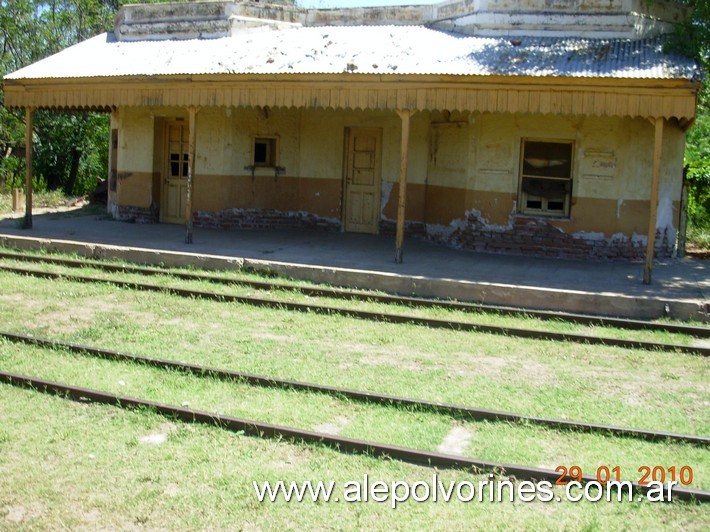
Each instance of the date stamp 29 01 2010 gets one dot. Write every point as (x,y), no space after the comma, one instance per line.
(604,474)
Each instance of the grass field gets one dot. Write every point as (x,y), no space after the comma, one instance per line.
(39,199)
(70,465)
(64,464)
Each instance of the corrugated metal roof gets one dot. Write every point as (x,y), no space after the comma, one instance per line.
(365,50)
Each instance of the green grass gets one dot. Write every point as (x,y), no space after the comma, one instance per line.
(698,236)
(533,377)
(70,465)
(48,199)
(529,445)
(201,477)
(5,203)
(483,318)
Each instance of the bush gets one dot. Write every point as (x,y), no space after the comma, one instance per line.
(698,231)
(12,173)
(697,160)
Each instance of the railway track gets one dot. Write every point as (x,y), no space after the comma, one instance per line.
(379,316)
(349,445)
(265,430)
(456,411)
(340,293)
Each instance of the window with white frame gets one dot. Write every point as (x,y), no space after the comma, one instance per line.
(546,177)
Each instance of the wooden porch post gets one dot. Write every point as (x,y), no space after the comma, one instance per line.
(683,216)
(29,114)
(405,115)
(653,200)
(190,173)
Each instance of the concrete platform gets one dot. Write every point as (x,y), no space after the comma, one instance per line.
(680,289)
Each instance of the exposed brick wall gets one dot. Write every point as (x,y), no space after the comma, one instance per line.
(263,219)
(143,215)
(538,237)
(389,227)
(525,236)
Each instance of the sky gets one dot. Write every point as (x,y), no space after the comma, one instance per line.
(363,3)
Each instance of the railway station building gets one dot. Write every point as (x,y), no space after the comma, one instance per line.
(515,126)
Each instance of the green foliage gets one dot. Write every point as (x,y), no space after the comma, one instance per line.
(699,236)
(692,38)
(12,173)
(12,129)
(39,184)
(697,159)
(71,152)
(70,149)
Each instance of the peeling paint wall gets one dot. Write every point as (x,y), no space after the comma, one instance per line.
(310,152)
(611,179)
(112,177)
(463,175)
(135,157)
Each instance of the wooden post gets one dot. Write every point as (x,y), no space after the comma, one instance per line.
(190,173)
(683,216)
(29,115)
(18,198)
(405,115)
(653,200)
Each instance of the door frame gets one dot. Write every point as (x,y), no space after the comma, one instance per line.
(165,168)
(348,135)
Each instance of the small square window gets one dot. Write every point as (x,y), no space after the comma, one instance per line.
(546,178)
(264,151)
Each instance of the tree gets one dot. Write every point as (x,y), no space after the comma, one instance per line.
(69,147)
(72,150)
(692,37)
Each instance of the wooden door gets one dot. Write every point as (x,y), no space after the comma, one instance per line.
(175,173)
(362,180)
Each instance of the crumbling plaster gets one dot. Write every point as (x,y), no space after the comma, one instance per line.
(462,166)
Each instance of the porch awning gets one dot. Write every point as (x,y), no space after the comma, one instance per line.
(355,92)
(367,67)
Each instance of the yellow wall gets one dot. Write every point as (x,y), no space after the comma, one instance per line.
(311,151)
(612,169)
(135,157)
(458,163)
